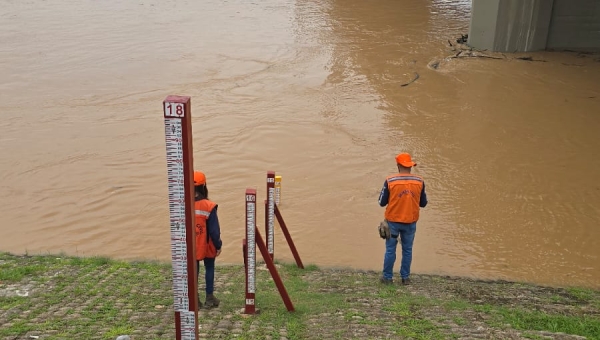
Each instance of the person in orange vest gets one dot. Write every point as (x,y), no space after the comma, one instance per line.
(404,195)
(208,238)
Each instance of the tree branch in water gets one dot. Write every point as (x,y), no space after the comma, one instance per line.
(412,81)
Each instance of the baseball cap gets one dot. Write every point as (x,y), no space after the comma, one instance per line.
(405,160)
(199,178)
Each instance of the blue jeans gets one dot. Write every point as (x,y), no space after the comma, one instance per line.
(406,233)
(209,273)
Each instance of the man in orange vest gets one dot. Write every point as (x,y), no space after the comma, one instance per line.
(208,237)
(404,195)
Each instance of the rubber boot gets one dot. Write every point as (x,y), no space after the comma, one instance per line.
(199,302)
(211,301)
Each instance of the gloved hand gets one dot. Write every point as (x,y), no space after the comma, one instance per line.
(384,230)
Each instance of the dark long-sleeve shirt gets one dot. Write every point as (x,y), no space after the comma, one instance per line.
(214,228)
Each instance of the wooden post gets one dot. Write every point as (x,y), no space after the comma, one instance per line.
(180,174)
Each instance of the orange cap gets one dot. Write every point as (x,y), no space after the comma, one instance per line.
(405,160)
(199,178)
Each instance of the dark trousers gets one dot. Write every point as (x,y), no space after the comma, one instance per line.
(209,273)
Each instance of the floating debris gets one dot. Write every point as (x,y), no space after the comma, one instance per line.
(412,81)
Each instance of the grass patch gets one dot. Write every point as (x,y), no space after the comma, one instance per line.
(585,325)
(585,295)
(582,293)
(533,336)
(415,328)
(118,330)
(19,327)
(406,309)
(8,302)
(94,261)
(305,299)
(456,304)
(16,274)
(459,321)
(556,298)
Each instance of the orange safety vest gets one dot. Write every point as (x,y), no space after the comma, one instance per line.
(204,245)
(405,194)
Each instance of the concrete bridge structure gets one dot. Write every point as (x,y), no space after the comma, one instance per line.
(534,25)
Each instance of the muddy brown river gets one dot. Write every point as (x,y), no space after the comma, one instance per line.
(509,148)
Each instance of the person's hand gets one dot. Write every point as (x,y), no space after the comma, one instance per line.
(384,230)
(218,252)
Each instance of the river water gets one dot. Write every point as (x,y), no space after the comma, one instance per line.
(311,90)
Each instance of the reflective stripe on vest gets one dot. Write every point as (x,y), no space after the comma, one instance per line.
(203,213)
(406,178)
(405,194)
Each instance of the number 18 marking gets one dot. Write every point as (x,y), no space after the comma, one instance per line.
(174,110)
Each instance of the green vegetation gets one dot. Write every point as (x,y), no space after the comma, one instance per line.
(57,297)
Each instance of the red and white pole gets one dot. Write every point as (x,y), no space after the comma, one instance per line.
(180,172)
(251,251)
(270,214)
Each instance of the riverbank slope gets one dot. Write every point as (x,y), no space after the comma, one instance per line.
(63,297)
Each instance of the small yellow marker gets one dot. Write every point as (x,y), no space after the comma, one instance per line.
(277,189)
